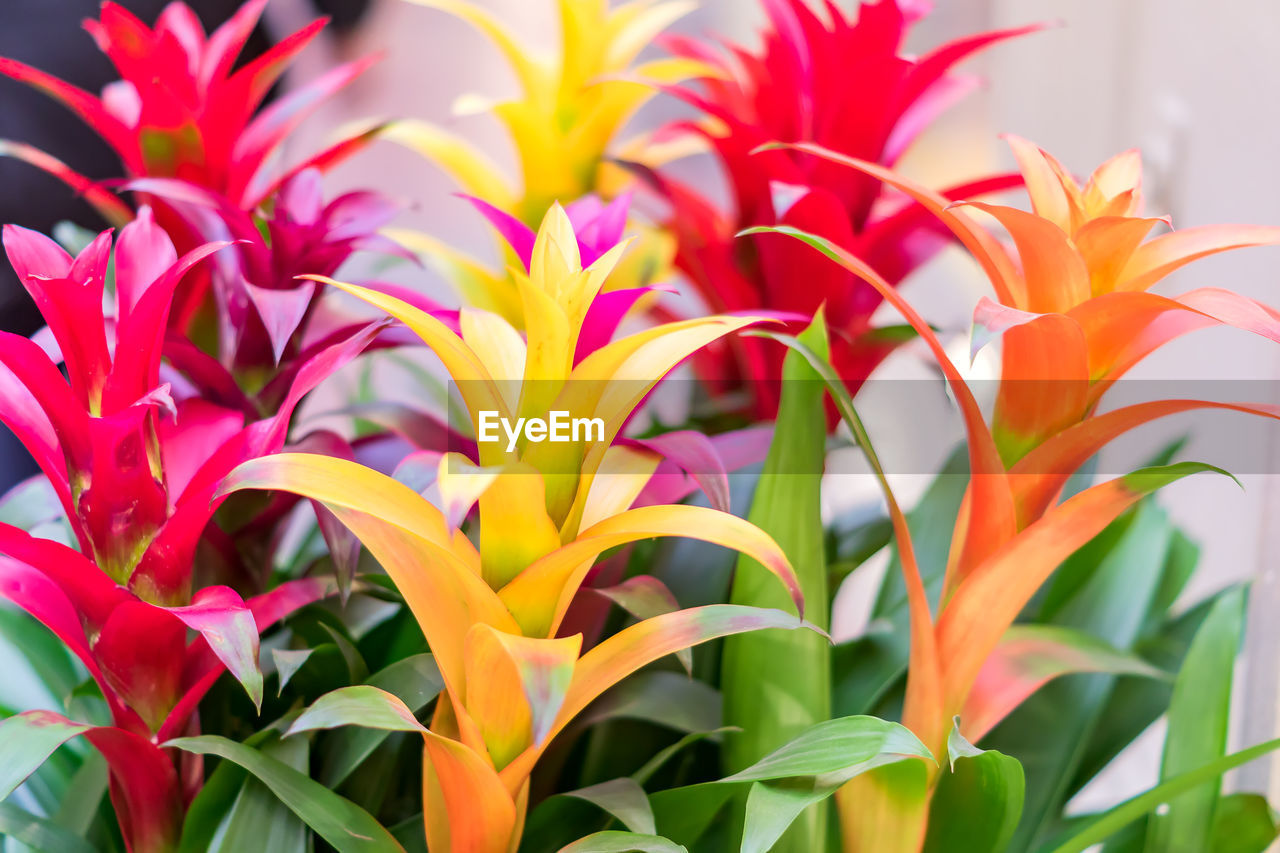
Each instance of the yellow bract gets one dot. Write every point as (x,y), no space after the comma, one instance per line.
(563,126)
(497,370)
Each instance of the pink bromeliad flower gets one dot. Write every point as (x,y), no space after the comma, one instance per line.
(843,83)
(181,109)
(268,322)
(135,473)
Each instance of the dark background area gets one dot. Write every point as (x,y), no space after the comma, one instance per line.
(46,34)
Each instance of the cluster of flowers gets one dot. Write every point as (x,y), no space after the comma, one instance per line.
(159,402)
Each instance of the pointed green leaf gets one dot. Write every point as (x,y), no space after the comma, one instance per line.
(346,826)
(358,705)
(1130,810)
(415,680)
(27,740)
(623,842)
(776,683)
(978,800)
(288,662)
(38,834)
(1199,715)
(624,799)
(259,821)
(842,747)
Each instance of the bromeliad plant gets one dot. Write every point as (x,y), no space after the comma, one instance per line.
(513,709)
(563,126)
(135,473)
(1076,318)
(848,85)
(182,109)
(493,616)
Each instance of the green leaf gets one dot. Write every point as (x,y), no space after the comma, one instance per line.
(775,683)
(1243,823)
(77,813)
(1135,703)
(27,740)
(1050,731)
(356,666)
(49,660)
(812,767)
(359,705)
(1199,715)
(288,662)
(623,842)
(217,796)
(1130,810)
(978,800)
(624,799)
(842,747)
(869,668)
(259,821)
(654,764)
(415,680)
(39,834)
(808,769)
(663,698)
(346,826)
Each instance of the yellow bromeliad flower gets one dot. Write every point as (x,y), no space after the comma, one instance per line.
(492,614)
(563,125)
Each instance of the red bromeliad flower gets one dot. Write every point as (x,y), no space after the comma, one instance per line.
(846,85)
(180,111)
(135,474)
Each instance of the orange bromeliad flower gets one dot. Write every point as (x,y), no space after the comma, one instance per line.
(1075,312)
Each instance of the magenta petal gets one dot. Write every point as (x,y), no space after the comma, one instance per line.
(33,254)
(221,617)
(519,237)
(226,41)
(357,214)
(302,197)
(270,607)
(90,266)
(605,314)
(188,439)
(696,455)
(735,450)
(270,127)
(89,590)
(599,226)
(20,412)
(32,591)
(281,311)
(143,252)
(141,651)
(137,365)
(43,381)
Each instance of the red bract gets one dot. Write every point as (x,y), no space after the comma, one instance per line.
(847,85)
(269,324)
(119,453)
(179,110)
